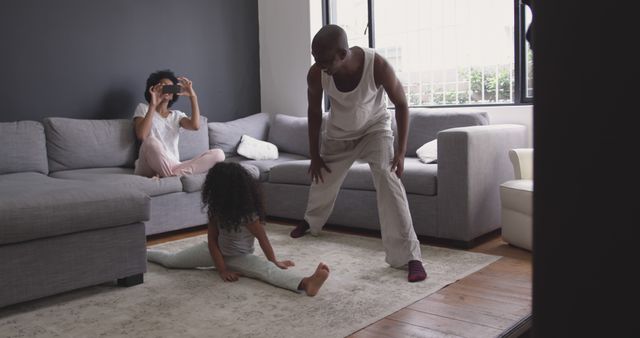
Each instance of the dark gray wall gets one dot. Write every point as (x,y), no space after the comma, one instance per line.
(90,59)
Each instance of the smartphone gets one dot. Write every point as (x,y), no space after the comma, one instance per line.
(171,89)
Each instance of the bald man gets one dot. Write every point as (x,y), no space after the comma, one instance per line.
(358,128)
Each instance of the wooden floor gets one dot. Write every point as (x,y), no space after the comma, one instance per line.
(483,304)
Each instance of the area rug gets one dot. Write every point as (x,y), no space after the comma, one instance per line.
(361,289)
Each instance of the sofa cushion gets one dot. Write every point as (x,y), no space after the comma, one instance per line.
(264,166)
(123,177)
(22,147)
(78,144)
(192,143)
(227,135)
(193,183)
(255,149)
(428,152)
(35,206)
(290,134)
(517,195)
(418,178)
(424,125)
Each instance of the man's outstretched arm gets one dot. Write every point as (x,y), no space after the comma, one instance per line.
(314,114)
(386,77)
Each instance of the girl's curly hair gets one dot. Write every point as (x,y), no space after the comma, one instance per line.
(231,196)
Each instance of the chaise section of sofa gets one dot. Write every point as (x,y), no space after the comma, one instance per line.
(58,235)
(104,151)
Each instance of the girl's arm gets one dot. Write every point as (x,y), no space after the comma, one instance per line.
(216,254)
(257,229)
(192,123)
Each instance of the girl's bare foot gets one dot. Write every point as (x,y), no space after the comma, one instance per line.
(313,283)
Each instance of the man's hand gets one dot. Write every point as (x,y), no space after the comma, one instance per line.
(284,264)
(315,169)
(229,276)
(397,165)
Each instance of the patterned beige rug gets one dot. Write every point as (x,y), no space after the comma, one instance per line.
(196,303)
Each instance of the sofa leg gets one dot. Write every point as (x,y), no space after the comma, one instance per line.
(131,280)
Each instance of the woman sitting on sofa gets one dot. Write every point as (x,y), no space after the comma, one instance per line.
(158,128)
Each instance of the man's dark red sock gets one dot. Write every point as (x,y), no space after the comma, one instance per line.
(300,229)
(416,271)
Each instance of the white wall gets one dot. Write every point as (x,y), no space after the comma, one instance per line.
(285,55)
(286,30)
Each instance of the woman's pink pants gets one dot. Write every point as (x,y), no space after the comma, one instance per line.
(153,161)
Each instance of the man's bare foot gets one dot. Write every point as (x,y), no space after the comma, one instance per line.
(313,283)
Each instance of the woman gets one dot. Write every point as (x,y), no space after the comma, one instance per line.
(158,128)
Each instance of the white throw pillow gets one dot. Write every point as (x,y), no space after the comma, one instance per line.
(255,149)
(428,152)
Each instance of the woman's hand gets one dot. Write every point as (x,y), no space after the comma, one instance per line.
(156,95)
(284,264)
(187,87)
(229,276)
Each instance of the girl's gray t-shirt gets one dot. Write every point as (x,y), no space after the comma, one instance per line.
(234,243)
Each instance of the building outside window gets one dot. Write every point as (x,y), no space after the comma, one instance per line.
(445,52)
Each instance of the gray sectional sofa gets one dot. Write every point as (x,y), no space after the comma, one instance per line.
(72,213)
(456,199)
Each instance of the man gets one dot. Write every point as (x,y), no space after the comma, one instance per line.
(358,128)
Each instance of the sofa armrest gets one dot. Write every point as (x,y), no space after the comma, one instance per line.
(472,163)
(522,161)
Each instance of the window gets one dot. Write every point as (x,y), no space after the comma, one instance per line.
(353,17)
(528,95)
(445,52)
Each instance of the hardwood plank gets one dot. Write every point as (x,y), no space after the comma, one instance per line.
(446,325)
(509,267)
(485,305)
(500,282)
(176,235)
(500,248)
(386,328)
(469,313)
(483,292)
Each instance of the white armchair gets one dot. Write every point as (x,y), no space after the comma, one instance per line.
(516,197)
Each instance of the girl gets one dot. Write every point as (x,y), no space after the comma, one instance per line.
(158,129)
(236,217)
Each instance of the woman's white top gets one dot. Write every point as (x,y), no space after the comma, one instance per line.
(358,112)
(166,130)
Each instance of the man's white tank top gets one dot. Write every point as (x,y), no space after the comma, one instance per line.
(358,112)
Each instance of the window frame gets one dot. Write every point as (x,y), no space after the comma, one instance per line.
(520,54)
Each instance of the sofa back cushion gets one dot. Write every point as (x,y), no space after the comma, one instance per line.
(78,143)
(227,135)
(425,124)
(193,142)
(290,134)
(22,147)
